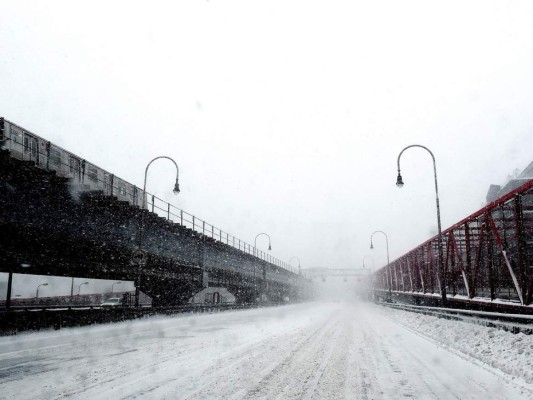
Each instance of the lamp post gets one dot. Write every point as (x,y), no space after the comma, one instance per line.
(113,286)
(299,267)
(80,285)
(255,254)
(269,241)
(388,274)
(38,286)
(364,258)
(399,183)
(372,280)
(141,260)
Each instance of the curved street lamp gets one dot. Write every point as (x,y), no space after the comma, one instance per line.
(113,286)
(388,274)
(269,242)
(80,285)
(399,183)
(299,264)
(37,291)
(176,190)
(255,254)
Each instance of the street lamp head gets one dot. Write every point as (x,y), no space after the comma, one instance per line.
(45,284)
(269,247)
(371,246)
(176,187)
(399,181)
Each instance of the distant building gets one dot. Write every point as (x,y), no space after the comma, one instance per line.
(497,191)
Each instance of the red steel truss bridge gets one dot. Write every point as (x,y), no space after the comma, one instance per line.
(488,261)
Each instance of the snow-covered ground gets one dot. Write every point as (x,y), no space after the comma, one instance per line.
(509,353)
(306,351)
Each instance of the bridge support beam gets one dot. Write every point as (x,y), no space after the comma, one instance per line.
(9,286)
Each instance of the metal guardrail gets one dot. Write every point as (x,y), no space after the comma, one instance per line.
(147,307)
(22,320)
(85,176)
(514,323)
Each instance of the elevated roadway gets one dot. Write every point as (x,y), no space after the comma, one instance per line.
(61,215)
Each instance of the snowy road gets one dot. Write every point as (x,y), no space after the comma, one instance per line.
(308,351)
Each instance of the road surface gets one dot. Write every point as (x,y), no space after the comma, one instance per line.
(306,351)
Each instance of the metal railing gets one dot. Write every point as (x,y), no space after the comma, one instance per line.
(514,323)
(85,176)
(486,255)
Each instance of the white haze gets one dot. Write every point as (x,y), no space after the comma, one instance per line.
(284,117)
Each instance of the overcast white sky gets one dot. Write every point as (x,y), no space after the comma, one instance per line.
(285,117)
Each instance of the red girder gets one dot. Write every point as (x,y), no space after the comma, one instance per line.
(489,254)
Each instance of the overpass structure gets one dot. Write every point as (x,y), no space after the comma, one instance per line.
(62,215)
(488,260)
(324,273)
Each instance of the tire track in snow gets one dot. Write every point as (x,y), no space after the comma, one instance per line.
(298,371)
(330,375)
(433,371)
(201,379)
(363,363)
(254,360)
(310,389)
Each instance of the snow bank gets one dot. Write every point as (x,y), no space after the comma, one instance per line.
(507,352)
